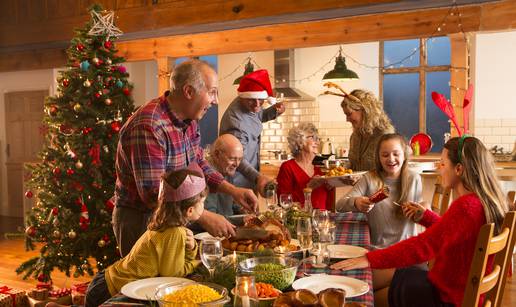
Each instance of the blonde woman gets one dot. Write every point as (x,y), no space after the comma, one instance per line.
(369,121)
(467,167)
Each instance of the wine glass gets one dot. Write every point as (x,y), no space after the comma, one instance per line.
(211,253)
(271,200)
(304,233)
(320,219)
(286,201)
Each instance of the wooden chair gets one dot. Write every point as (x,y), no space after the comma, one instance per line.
(501,246)
(511,197)
(441,198)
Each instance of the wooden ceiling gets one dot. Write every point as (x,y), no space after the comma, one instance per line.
(34,34)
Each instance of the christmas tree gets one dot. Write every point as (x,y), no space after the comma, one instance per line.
(75,180)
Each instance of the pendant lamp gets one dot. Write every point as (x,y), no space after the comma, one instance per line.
(340,72)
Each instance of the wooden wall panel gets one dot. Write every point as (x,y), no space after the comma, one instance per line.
(57,9)
(125,4)
(7,12)
(84,5)
(31,12)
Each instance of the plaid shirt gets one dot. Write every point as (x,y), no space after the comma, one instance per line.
(154,141)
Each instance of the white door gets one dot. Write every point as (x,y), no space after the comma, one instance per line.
(23,114)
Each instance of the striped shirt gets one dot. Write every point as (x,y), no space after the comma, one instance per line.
(154,141)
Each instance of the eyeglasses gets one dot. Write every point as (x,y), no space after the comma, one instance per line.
(213,92)
(314,138)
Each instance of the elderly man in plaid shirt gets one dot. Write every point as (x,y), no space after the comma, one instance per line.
(161,136)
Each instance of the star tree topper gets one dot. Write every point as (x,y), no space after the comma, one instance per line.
(104,24)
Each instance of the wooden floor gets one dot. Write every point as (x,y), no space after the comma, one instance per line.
(12,253)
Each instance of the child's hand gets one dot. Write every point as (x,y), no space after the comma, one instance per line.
(413,211)
(363,204)
(190,241)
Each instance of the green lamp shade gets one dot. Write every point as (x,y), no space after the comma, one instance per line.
(340,71)
(249,68)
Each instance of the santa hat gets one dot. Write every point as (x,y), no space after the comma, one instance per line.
(191,186)
(256,85)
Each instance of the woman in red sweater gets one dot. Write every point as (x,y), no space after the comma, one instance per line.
(468,168)
(295,174)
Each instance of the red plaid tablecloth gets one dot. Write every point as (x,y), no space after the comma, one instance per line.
(351,229)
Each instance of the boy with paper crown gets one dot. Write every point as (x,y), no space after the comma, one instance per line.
(167,248)
(243,118)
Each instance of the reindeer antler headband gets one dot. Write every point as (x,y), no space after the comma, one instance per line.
(344,93)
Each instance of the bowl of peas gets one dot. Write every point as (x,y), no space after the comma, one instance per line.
(278,271)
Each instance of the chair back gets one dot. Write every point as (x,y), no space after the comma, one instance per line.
(441,197)
(511,197)
(501,246)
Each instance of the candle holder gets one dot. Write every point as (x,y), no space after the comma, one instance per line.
(245,292)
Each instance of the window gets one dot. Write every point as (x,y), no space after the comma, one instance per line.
(413,69)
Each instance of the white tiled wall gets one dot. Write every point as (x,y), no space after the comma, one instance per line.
(274,135)
(499,132)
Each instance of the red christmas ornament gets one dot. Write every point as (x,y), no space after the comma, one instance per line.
(55,211)
(126,91)
(99,62)
(29,194)
(94,153)
(108,44)
(66,82)
(42,277)
(56,171)
(86,130)
(30,231)
(110,205)
(115,126)
(79,187)
(109,136)
(98,94)
(108,101)
(106,238)
(70,172)
(80,47)
(52,111)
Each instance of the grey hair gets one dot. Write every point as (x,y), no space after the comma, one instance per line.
(189,73)
(296,135)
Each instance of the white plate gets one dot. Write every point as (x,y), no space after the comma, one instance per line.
(145,289)
(317,283)
(203,235)
(346,251)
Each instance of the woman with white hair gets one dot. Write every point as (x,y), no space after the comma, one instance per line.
(295,173)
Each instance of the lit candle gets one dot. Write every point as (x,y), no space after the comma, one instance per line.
(245,297)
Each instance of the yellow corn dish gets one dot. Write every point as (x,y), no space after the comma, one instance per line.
(191,296)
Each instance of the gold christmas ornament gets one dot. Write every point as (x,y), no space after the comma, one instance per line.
(87,83)
(108,61)
(72,234)
(101,243)
(108,101)
(56,234)
(78,164)
(77,107)
(95,60)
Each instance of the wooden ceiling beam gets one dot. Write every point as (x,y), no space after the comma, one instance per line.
(400,25)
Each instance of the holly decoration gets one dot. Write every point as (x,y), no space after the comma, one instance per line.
(75,178)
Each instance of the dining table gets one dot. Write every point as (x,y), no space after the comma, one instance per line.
(351,228)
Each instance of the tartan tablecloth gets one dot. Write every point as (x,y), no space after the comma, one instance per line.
(351,229)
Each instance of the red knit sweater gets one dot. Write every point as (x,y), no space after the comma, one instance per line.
(449,239)
(292,179)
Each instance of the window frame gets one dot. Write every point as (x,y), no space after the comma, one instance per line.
(422,69)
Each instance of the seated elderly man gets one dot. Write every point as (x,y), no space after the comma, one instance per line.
(225,156)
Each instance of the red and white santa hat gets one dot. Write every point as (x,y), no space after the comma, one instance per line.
(256,85)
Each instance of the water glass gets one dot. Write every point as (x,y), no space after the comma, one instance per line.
(211,253)
(304,233)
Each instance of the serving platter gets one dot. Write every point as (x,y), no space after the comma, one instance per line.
(317,283)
